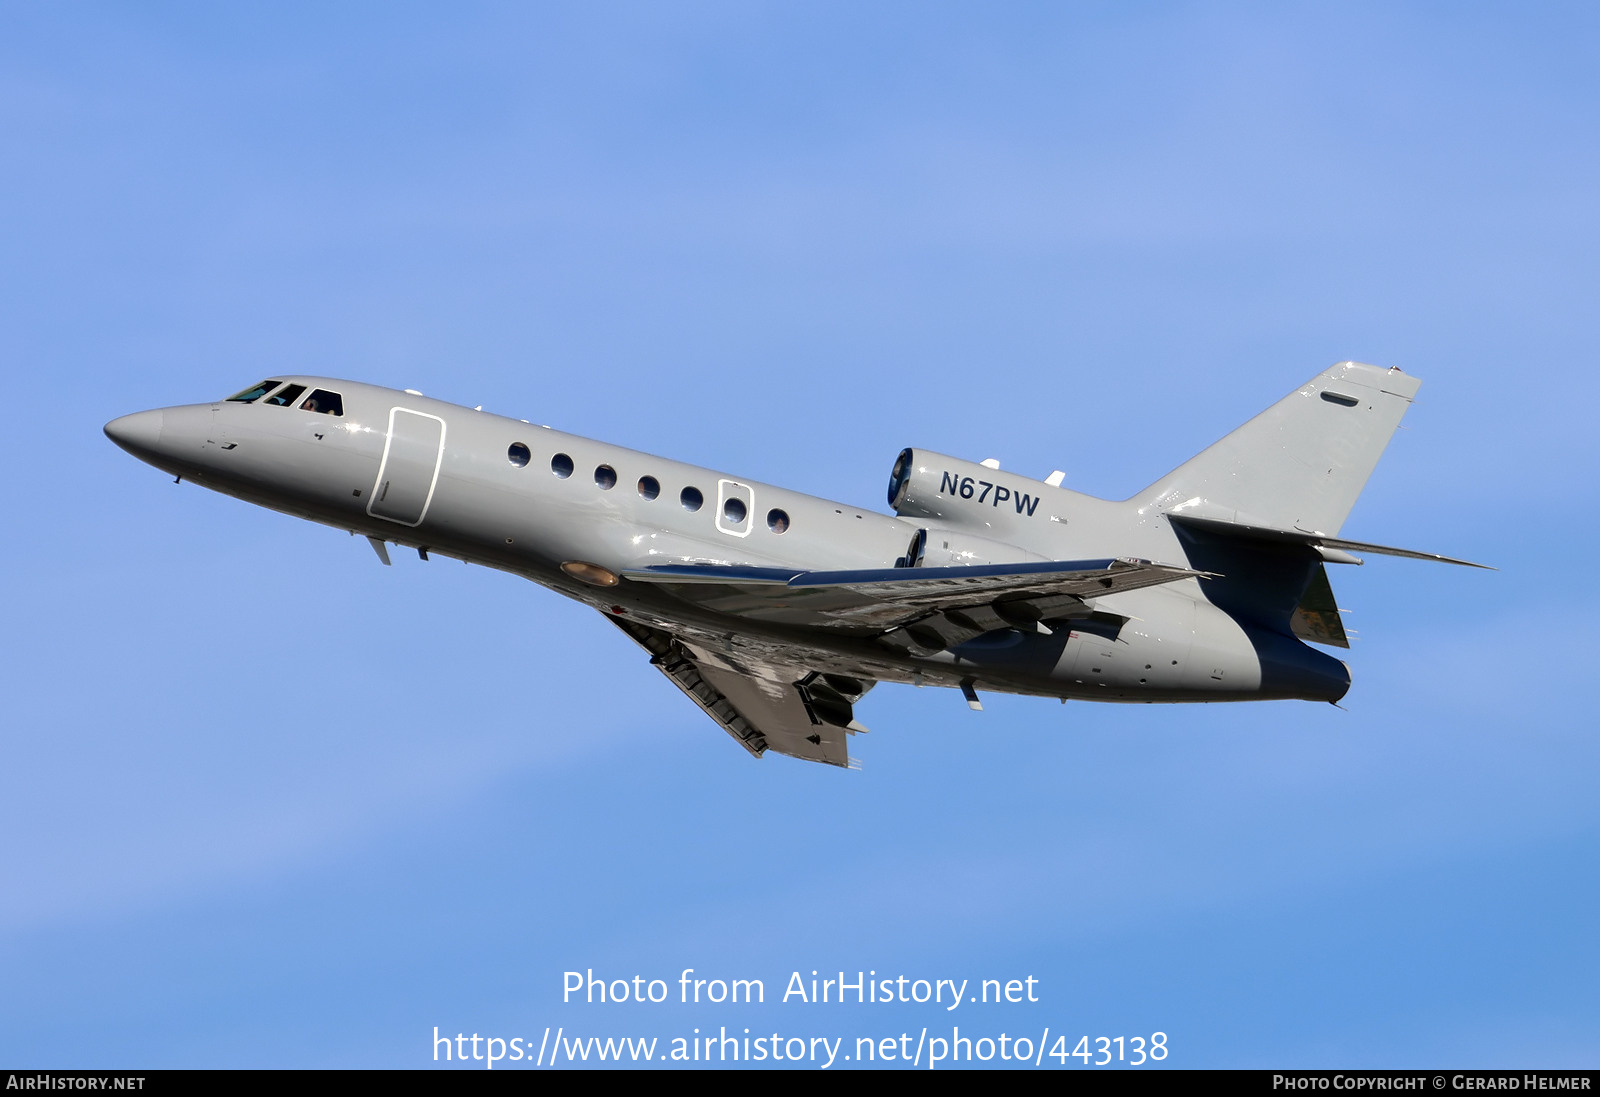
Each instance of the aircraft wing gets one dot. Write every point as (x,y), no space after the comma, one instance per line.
(763,705)
(912,609)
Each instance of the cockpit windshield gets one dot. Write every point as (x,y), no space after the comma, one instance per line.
(329,403)
(254,392)
(286,397)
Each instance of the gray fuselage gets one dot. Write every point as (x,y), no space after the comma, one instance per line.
(402,468)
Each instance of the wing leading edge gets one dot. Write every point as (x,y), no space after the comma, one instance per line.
(873,602)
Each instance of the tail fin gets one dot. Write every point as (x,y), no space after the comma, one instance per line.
(1301,463)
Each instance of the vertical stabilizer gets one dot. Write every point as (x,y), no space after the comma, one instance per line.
(1301,463)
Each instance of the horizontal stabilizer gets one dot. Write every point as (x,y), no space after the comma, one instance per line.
(1247,531)
(1386,550)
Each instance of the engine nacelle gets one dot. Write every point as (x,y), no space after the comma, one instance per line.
(926,485)
(956,494)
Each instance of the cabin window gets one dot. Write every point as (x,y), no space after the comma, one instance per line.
(691,498)
(255,392)
(777,520)
(733,511)
(649,487)
(328,403)
(284,397)
(606,477)
(519,455)
(561,465)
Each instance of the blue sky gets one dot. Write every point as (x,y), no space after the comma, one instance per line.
(268,803)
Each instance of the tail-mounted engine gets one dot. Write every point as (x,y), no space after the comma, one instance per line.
(959,499)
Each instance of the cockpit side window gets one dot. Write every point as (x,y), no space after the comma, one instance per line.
(329,403)
(286,397)
(255,392)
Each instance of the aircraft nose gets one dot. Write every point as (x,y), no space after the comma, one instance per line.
(139,433)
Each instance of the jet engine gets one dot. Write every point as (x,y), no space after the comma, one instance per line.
(965,505)
(925,484)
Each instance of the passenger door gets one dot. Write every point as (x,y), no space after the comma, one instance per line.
(409,472)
